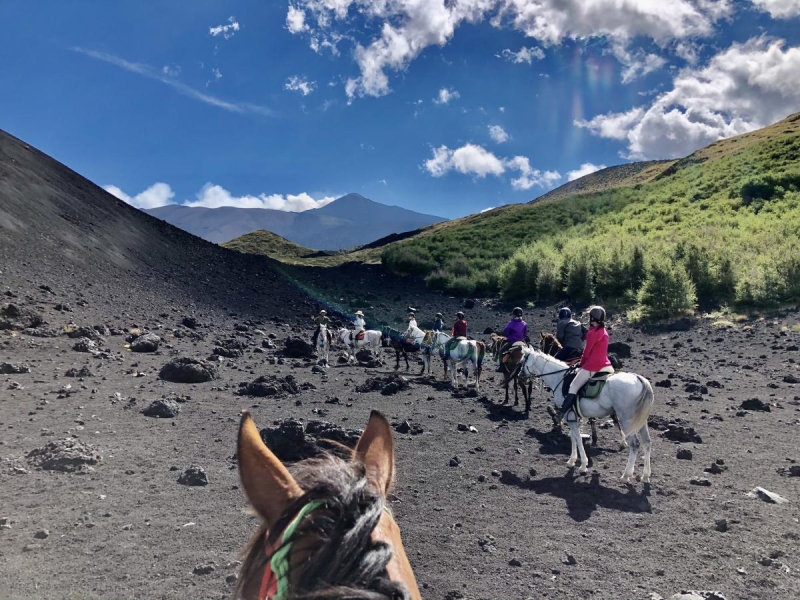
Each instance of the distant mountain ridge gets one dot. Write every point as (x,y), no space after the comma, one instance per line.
(349,221)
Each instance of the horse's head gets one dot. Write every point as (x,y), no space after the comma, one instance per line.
(326,531)
(549,344)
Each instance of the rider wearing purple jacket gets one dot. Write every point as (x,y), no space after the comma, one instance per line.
(515,331)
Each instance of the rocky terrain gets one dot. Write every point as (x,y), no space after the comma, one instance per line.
(128,350)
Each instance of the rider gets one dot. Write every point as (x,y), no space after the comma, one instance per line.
(459,330)
(570,334)
(438,324)
(359,324)
(593,359)
(515,331)
(412,324)
(320,320)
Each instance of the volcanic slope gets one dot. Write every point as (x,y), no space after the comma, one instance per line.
(59,230)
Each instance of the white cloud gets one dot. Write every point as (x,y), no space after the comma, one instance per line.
(404,28)
(158,194)
(779,9)
(498,134)
(488,209)
(226,31)
(475,160)
(743,88)
(524,55)
(182,88)
(296,20)
(215,196)
(171,70)
(446,95)
(300,84)
(636,63)
(584,169)
(216,73)
(502,109)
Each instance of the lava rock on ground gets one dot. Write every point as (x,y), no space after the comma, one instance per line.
(270,385)
(292,441)
(194,476)
(387,385)
(68,455)
(295,347)
(188,370)
(147,342)
(162,408)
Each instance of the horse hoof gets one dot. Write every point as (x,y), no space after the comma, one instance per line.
(570,463)
(583,470)
(645,479)
(625,478)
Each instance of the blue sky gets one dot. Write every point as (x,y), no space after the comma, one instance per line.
(446,108)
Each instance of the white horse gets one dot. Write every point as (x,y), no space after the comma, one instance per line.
(467,351)
(433,342)
(627,395)
(372,340)
(323,343)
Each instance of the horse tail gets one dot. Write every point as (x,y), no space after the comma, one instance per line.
(644,403)
(481,353)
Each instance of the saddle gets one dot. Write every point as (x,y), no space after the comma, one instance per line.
(359,336)
(592,388)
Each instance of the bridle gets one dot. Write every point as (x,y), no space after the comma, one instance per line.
(566,372)
(275,582)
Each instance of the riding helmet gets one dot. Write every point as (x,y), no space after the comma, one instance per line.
(439,315)
(517,312)
(460,315)
(323,312)
(597,313)
(565,313)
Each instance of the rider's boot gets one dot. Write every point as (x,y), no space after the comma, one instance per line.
(569,403)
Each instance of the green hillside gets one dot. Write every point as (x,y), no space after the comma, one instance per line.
(721,224)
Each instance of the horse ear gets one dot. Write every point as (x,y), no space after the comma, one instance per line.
(269,486)
(541,333)
(375,449)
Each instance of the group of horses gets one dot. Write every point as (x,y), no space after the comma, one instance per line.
(327,530)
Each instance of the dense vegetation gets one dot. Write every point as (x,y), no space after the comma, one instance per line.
(721,226)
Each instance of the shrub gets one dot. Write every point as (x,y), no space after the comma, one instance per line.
(667,291)
(438,280)
(462,286)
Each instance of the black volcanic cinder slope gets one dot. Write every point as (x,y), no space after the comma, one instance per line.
(59,229)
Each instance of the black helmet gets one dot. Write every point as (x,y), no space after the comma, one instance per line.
(597,313)
(460,315)
(565,313)
(517,312)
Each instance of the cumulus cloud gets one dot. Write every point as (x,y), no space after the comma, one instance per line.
(524,55)
(226,31)
(158,194)
(779,9)
(404,28)
(296,20)
(446,95)
(745,87)
(584,169)
(471,159)
(636,63)
(300,84)
(498,134)
(215,196)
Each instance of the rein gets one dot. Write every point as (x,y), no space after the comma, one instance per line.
(565,371)
(275,583)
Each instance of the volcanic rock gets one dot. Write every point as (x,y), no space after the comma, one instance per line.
(68,455)
(162,408)
(188,370)
(270,385)
(388,384)
(14,317)
(295,347)
(14,368)
(291,441)
(756,404)
(85,345)
(82,372)
(147,342)
(193,476)
(621,349)
(679,433)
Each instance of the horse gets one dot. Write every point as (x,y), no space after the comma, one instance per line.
(326,529)
(466,351)
(324,340)
(434,341)
(402,345)
(627,395)
(510,368)
(550,345)
(371,340)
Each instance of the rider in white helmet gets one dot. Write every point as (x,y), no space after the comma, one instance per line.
(359,324)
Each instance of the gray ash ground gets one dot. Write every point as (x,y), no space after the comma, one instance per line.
(126,528)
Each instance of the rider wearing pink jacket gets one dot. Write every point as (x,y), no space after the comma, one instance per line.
(593,359)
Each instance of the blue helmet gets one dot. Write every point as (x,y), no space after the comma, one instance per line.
(565,313)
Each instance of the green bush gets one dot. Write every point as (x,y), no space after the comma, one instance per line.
(667,292)
(438,280)
(462,286)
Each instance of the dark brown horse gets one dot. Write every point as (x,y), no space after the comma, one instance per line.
(510,361)
(327,531)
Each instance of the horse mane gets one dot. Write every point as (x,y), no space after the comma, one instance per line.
(346,562)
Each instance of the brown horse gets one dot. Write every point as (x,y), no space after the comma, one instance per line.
(326,530)
(550,345)
(510,361)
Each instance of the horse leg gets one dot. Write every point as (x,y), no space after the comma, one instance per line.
(575,434)
(622,442)
(633,451)
(573,455)
(644,435)
(527,396)
(593,425)
(397,358)
(506,400)
(405,355)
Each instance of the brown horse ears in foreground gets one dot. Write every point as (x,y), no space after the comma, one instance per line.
(270,487)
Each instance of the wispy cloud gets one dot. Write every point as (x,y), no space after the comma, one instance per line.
(182,88)
(446,95)
(226,31)
(300,84)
